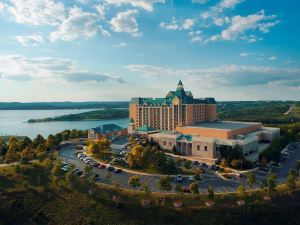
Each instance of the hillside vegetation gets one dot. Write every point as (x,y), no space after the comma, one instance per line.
(105,114)
(38,193)
(272,112)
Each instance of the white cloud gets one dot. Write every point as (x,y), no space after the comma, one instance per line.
(120,45)
(244,54)
(187,24)
(145,4)
(196,39)
(82,1)
(126,22)
(37,12)
(2,6)
(229,3)
(101,10)
(173,25)
(47,69)
(195,36)
(219,21)
(272,58)
(79,24)
(28,40)
(205,15)
(226,75)
(240,25)
(200,1)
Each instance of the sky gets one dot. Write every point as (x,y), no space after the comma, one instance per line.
(106,50)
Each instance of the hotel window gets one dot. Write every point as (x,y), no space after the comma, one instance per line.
(205,148)
(164,142)
(170,143)
(198,147)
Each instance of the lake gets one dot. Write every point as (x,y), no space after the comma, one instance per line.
(13,122)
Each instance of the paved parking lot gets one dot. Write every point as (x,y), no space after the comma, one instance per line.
(210,178)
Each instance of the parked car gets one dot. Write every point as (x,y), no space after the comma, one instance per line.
(192,178)
(79,173)
(65,168)
(215,167)
(102,166)
(110,168)
(179,178)
(118,170)
(186,190)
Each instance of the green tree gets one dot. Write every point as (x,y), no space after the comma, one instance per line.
(103,144)
(88,171)
(251,179)
(94,149)
(291,180)
(146,189)
(211,192)
(56,169)
(3,147)
(187,164)
(66,135)
(241,191)
(194,188)
(73,134)
(171,166)
(14,143)
(27,154)
(12,155)
(134,181)
(51,142)
(271,183)
(25,143)
(164,183)
(58,138)
(41,152)
(71,178)
(38,141)
(298,166)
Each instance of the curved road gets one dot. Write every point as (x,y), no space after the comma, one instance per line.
(210,178)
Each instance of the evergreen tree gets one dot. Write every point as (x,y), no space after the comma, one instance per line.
(291,181)
(194,188)
(12,155)
(39,140)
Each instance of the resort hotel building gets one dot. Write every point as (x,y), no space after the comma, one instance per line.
(190,126)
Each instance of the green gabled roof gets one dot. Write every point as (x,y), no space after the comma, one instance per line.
(186,137)
(180,83)
(131,120)
(185,96)
(107,128)
(145,128)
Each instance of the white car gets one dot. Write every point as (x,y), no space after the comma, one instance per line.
(191,178)
(65,168)
(179,178)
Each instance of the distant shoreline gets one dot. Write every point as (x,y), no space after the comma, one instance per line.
(61,105)
(103,114)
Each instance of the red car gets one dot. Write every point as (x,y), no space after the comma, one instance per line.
(102,166)
(186,190)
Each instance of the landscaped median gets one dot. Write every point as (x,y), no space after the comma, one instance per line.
(134,171)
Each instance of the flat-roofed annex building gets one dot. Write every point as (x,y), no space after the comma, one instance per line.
(178,108)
